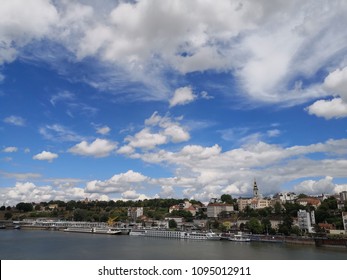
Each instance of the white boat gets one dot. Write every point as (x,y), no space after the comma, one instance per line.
(202,236)
(93,230)
(111,231)
(78,229)
(239,237)
(137,232)
(175,234)
(164,233)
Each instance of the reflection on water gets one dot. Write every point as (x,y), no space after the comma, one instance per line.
(54,245)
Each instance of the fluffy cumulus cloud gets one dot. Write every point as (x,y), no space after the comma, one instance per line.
(19,26)
(206,171)
(98,148)
(10,149)
(336,83)
(182,96)
(103,130)
(158,130)
(44,155)
(335,108)
(123,183)
(30,192)
(322,186)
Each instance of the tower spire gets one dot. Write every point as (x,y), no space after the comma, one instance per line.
(255,189)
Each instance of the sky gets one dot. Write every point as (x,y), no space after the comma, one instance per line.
(171,99)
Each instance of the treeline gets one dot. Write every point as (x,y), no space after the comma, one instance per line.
(99,211)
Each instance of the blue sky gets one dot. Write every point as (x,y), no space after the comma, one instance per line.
(144,99)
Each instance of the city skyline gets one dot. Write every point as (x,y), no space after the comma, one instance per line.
(135,100)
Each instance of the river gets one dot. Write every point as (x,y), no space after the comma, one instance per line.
(58,245)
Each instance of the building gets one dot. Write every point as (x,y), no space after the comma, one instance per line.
(343,196)
(306,220)
(214,209)
(344,220)
(313,201)
(285,197)
(255,190)
(135,212)
(256,202)
(186,206)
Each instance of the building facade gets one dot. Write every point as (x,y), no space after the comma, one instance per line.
(306,220)
(344,220)
(214,209)
(135,212)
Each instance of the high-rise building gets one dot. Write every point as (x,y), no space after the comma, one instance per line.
(306,220)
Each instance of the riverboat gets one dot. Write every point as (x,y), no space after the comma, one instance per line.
(202,236)
(137,232)
(93,230)
(239,237)
(176,234)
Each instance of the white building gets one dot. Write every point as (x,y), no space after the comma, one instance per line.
(214,209)
(135,212)
(306,220)
(344,220)
(285,197)
(256,202)
(343,196)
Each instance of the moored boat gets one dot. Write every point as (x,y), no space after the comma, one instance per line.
(96,230)
(239,237)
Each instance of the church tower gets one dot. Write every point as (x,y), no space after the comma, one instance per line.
(255,190)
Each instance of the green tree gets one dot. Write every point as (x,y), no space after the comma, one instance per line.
(80,215)
(278,208)
(322,213)
(226,198)
(8,215)
(286,227)
(172,223)
(302,195)
(24,207)
(254,226)
(266,225)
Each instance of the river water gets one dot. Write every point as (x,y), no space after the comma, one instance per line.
(57,245)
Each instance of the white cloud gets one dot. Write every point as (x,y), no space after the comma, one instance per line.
(166,130)
(167,192)
(46,156)
(10,149)
(203,171)
(119,183)
(145,139)
(30,192)
(15,120)
(268,47)
(21,176)
(336,83)
(98,148)
(322,186)
(103,130)
(133,195)
(57,132)
(182,96)
(62,96)
(20,25)
(335,108)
